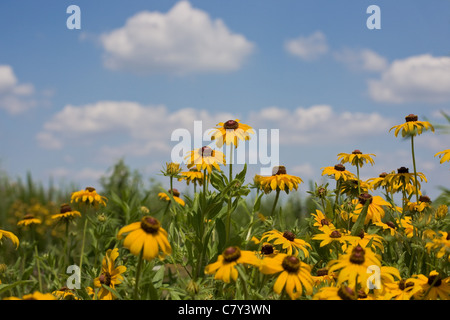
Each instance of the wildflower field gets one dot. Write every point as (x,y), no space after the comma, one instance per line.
(228,238)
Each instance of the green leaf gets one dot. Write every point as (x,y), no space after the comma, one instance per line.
(5,287)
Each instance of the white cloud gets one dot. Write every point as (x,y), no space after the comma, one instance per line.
(422,78)
(363,59)
(15,97)
(319,124)
(307,48)
(183,40)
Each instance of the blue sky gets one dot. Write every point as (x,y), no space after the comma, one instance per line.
(73,102)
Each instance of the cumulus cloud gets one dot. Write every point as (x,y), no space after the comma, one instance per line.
(307,48)
(319,124)
(15,97)
(361,60)
(183,40)
(422,78)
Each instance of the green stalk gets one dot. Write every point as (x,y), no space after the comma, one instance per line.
(275,202)
(228,224)
(138,274)
(37,257)
(415,172)
(83,242)
(357,173)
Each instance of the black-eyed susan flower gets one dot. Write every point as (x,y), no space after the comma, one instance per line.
(342,292)
(66,213)
(441,212)
(443,155)
(389,226)
(432,287)
(9,235)
(323,277)
(289,243)
(111,275)
(175,194)
(321,221)
(375,210)
(146,235)
(294,275)
(440,244)
(88,196)
(412,126)
(353,265)
(279,180)
(329,235)
(400,290)
(230,132)
(338,172)
(225,267)
(36,295)
(356,158)
(205,158)
(406,225)
(192,176)
(364,239)
(424,202)
(28,220)
(65,293)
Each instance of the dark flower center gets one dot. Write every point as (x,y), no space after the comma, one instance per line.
(206,152)
(291,264)
(28,216)
(279,170)
(356,152)
(174,192)
(150,224)
(65,208)
(267,249)
(436,279)
(402,285)
(424,199)
(364,197)
(231,254)
(335,234)
(231,124)
(325,222)
(346,293)
(289,235)
(322,272)
(411,117)
(391,224)
(402,170)
(383,175)
(357,255)
(339,167)
(90,189)
(105,278)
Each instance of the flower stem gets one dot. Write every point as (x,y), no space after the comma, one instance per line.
(415,172)
(138,274)
(357,173)
(228,224)
(275,202)
(83,242)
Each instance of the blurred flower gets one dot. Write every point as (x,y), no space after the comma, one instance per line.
(432,287)
(279,180)
(287,240)
(36,295)
(66,213)
(375,211)
(193,175)
(110,276)
(146,235)
(400,290)
(172,169)
(225,267)
(175,195)
(230,132)
(412,126)
(29,219)
(424,202)
(389,225)
(353,265)
(88,196)
(441,244)
(294,275)
(205,158)
(338,172)
(356,158)
(441,211)
(11,236)
(443,155)
(342,292)
(65,294)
